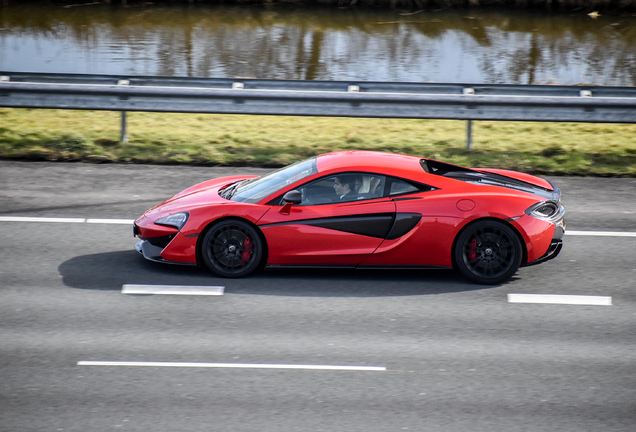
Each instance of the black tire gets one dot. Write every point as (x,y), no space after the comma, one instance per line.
(488,252)
(232,248)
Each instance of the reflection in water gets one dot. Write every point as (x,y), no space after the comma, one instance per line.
(325,44)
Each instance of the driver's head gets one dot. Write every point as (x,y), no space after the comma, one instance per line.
(344,184)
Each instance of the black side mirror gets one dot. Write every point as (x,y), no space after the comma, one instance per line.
(293,197)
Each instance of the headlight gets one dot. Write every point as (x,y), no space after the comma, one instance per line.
(550,211)
(176,220)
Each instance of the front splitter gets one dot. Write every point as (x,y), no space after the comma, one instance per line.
(153,253)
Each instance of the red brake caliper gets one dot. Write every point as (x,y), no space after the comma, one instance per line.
(247,250)
(472,250)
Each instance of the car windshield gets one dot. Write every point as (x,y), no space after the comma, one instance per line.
(254,190)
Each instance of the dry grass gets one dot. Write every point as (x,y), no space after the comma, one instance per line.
(555,148)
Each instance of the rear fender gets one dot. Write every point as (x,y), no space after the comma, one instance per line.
(524,247)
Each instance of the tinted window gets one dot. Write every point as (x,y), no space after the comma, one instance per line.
(398,187)
(343,187)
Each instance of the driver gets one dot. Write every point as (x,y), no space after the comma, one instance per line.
(345,187)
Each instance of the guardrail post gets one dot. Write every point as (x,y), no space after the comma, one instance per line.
(123,135)
(469,126)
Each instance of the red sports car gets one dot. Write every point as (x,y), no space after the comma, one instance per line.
(360,209)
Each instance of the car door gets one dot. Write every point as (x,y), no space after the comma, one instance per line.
(423,232)
(323,230)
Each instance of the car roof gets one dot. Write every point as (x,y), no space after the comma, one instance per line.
(361,160)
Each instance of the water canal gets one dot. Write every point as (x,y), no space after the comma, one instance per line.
(463,46)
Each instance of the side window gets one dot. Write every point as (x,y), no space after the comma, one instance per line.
(400,187)
(318,192)
(370,186)
(343,187)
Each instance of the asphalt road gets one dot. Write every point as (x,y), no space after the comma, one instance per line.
(458,357)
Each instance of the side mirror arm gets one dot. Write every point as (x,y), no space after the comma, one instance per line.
(290,198)
(286,209)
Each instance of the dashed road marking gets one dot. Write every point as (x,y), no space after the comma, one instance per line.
(172,289)
(65,220)
(111,221)
(560,299)
(41,219)
(229,365)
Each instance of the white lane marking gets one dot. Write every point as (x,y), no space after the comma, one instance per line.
(40,219)
(602,233)
(172,289)
(560,299)
(66,220)
(111,221)
(230,365)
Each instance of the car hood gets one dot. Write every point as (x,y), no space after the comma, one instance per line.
(202,193)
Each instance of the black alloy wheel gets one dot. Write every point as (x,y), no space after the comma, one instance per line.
(232,248)
(488,252)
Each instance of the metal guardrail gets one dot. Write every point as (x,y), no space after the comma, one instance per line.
(319,98)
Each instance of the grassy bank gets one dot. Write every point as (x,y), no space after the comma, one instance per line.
(92,136)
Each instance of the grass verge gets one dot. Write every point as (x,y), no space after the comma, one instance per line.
(268,141)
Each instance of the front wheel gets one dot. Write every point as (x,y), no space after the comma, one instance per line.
(488,252)
(232,248)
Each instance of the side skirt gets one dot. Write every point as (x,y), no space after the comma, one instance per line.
(360,267)
(307,266)
(403,267)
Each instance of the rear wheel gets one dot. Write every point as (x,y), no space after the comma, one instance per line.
(232,248)
(488,252)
